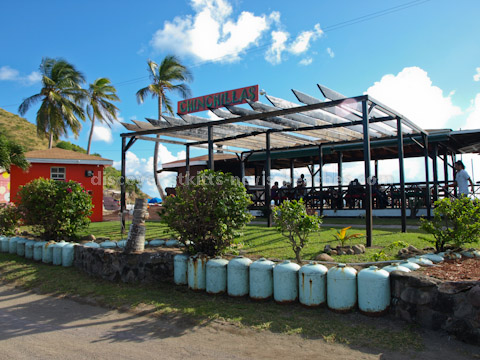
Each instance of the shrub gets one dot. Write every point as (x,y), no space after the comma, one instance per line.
(455,221)
(10,218)
(55,209)
(343,238)
(292,220)
(208,213)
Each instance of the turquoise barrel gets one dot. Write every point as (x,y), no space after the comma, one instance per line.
(12,245)
(197,272)
(312,284)
(373,291)
(146,243)
(157,242)
(237,278)
(261,279)
(57,252)
(29,249)
(68,254)
(341,288)
(285,282)
(420,260)
(47,254)
(91,244)
(180,265)
(38,250)
(435,258)
(21,246)
(4,244)
(121,244)
(216,276)
(108,245)
(409,265)
(396,267)
(172,243)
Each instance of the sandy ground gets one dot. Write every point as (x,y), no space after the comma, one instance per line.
(35,326)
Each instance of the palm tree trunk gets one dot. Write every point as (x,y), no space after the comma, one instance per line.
(155,155)
(136,234)
(50,140)
(91,135)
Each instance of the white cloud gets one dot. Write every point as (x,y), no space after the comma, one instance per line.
(412,94)
(473,119)
(274,53)
(476,77)
(9,74)
(306,61)
(102,133)
(330,53)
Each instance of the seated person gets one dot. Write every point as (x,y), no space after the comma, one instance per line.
(275,193)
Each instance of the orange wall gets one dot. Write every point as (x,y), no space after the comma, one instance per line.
(73,172)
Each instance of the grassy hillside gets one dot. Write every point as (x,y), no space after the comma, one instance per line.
(21,131)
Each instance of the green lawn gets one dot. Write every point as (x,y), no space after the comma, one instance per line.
(170,300)
(259,240)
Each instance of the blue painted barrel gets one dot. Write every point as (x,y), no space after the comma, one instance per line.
(172,243)
(57,252)
(38,250)
(12,245)
(216,276)
(21,246)
(341,288)
(47,254)
(409,265)
(157,242)
(435,258)
(29,249)
(197,272)
(91,244)
(420,260)
(180,266)
(4,244)
(373,291)
(261,279)
(396,267)
(68,254)
(237,278)
(285,282)
(121,244)
(108,245)
(312,284)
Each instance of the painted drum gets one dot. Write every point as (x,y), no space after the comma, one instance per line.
(373,291)
(285,282)
(409,265)
(197,272)
(396,267)
(38,250)
(180,266)
(121,244)
(108,245)
(21,246)
(57,252)
(261,279)
(312,284)
(172,243)
(342,288)
(216,276)
(4,244)
(12,245)
(238,276)
(68,254)
(157,242)
(91,244)
(29,249)
(47,254)
(435,258)
(420,260)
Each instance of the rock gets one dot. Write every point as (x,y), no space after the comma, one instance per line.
(103,238)
(327,249)
(455,287)
(429,249)
(413,249)
(324,257)
(333,252)
(350,252)
(90,237)
(340,252)
(357,249)
(417,296)
(474,296)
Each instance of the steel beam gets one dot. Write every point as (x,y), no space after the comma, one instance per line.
(368,186)
(268,194)
(401,169)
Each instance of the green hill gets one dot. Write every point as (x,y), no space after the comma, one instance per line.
(21,131)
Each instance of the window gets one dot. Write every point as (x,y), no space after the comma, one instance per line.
(57,173)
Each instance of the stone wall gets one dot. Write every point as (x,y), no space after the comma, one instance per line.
(435,304)
(114,265)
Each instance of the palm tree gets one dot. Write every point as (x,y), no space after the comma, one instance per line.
(60,96)
(163,78)
(98,106)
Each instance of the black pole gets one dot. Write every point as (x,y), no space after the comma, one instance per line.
(242,169)
(454,173)
(435,172)
(376,169)
(122,187)
(340,178)
(210,148)
(268,195)
(320,171)
(401,168)
(292,169)
(368,186)
(187,165)
(427,180)
(445,167)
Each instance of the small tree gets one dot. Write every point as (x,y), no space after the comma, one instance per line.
(295,224)
(455,221)
(9,219)
(12,153)
(56,209)
(209,212)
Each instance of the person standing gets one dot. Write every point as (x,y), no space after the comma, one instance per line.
(462,178)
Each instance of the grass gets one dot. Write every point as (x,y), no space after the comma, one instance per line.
(170,300)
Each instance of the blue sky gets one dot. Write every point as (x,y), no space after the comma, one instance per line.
(421,58)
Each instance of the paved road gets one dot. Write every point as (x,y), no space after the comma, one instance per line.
(41,327)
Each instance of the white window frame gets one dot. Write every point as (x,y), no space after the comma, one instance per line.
(55,174)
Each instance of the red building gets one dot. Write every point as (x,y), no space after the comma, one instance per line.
(59,164)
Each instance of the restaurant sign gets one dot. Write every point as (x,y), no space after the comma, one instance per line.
(218,100)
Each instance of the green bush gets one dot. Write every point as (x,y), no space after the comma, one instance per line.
(208,213)
(10,218)
(292,220)
(55,209)
(455,221)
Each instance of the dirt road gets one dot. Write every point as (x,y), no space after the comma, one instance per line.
(42,327)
